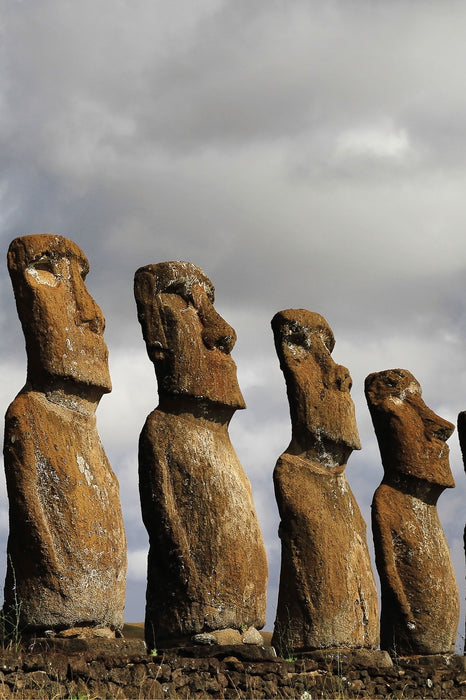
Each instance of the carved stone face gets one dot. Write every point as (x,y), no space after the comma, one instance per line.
(412,438)
(186,339)
(318,389)
(62,324)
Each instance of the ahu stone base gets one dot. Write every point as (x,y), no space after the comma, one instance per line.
(119,668)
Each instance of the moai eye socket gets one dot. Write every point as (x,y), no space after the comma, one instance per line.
(299,337)
(43,271)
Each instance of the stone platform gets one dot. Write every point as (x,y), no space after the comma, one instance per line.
(120,669)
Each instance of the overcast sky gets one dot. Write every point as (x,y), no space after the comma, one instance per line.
(306,154)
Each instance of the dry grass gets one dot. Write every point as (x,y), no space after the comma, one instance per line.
(133,630)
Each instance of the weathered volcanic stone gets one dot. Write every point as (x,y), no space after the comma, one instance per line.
(207,568)
(462,435)
(327,596)
(420,605)
(462,439)
(66,548)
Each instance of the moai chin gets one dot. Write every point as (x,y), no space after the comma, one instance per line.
(327,596)
(207,567)
(420,603)
(66,556)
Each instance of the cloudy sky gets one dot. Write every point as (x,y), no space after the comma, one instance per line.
(304,154)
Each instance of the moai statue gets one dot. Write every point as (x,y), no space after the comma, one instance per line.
(327,596)
(207,566)
(66,563)
(462,439)
(420,604)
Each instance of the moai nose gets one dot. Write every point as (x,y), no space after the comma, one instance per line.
(343,379)
(89,313)
(434,425)
(218,334)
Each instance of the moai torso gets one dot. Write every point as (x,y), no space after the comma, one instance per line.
(327,596)
(207,568)
(203,566)
(327,593)
(66,563)
(420,604)
(66,553)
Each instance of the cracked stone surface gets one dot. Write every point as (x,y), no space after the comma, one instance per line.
(207,567)
(420,602)
(66,548)
(327,595)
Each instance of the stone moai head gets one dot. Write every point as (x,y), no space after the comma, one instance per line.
(412,438)
(62,324)
(321,408)
(186,339)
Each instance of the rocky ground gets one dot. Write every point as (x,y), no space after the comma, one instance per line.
(76,668)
